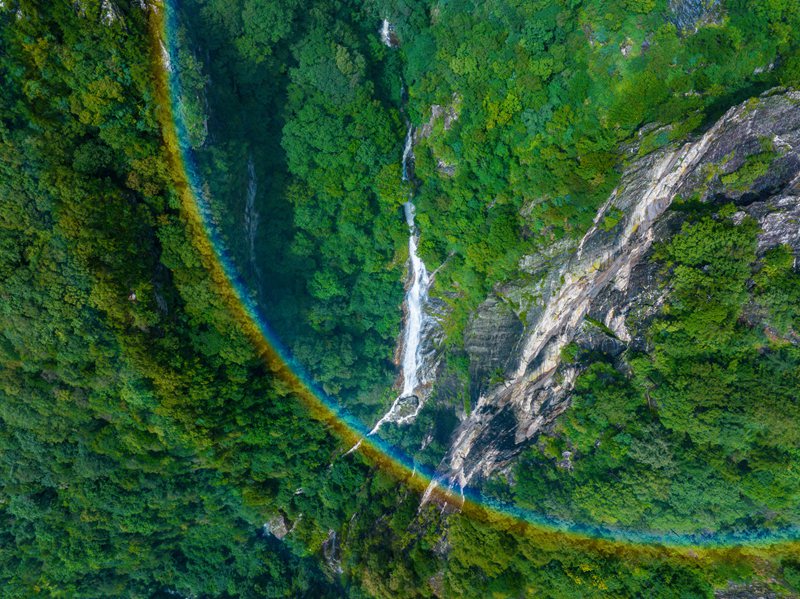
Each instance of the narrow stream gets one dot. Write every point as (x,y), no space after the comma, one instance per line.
(402,409)
(251,218)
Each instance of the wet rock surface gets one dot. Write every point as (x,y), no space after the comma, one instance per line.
(490,341)
(332,552)
(432,338)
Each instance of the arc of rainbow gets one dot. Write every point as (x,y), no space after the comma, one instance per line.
(208,240)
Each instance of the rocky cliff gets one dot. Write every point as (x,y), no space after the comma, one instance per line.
(688,14)
(601,290)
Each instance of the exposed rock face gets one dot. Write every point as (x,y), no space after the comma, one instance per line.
(448,114)
(688,14)
(754,590)
(779,218)
(277,526)
(431,343)
(607,277)
(491,341)
(445,168)
(331,551)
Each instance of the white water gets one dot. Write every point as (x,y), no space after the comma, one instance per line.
(415,300)
(166,60)
(109,14)
(417,294)
(386,33)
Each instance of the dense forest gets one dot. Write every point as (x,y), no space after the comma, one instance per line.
(297,105)
(148,447)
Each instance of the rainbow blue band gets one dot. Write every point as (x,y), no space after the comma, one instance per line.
(347,427)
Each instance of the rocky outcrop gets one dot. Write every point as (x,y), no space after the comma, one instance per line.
(332,552)
(447,113)
(607,278)
(432,341)
(276,526)
(687,15)
(752,590)
(491,341)
(779,218)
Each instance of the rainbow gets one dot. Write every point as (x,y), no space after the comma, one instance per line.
(548,531)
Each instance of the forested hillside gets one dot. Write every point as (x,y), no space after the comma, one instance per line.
(148,448)
(297,104)
(123,373)
(697,434)
(548,95)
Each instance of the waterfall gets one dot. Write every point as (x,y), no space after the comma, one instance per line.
(417,294)
(408,404)
(387,33)
(418,289)
(415,300)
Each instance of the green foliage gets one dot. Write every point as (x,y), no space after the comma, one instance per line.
(300,115)
(754,166)
(116,412)
(778,290)
(548,94)
(143,440)
(791,573)
(697,435)
(570,352)
(611,219)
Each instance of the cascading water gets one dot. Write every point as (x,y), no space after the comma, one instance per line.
(387,33)
(408,404)
(417,292)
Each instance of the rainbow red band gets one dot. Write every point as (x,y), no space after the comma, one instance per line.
(233,292)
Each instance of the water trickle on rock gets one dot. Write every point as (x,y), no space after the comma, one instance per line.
(251,217)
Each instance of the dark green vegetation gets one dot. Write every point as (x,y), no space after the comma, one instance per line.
(143,442)
(305,95)
(546,92)
(118,417)
(699,434)
(546,95)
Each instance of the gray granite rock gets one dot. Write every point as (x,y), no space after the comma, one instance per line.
(608,279)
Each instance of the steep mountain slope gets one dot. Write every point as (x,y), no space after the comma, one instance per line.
(606,277)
